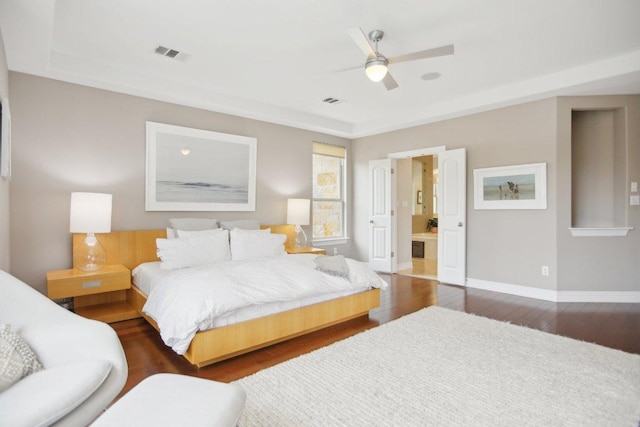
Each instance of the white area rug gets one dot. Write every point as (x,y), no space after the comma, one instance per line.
(441,367)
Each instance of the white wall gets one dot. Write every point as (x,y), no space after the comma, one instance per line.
(75,138)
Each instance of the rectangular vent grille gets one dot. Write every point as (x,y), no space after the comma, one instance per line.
(170,53)
(333,101)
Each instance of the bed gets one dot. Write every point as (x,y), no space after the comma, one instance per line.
(133,248)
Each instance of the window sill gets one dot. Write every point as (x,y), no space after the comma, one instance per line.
(599,231)
(330,242)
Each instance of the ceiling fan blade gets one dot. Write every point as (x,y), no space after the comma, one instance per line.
(389,82)
(429,53)
(361,40)
(357,67)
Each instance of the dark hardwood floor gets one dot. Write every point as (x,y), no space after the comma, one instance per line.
(612,325)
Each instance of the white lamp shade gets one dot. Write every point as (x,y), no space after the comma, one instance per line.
(298,211)
(90,213)
(376,71)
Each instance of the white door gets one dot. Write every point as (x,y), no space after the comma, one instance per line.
(452,205)
(381,211)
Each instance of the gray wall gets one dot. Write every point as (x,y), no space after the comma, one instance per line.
(4,185)
(74,138)
(598,263)
(510,246)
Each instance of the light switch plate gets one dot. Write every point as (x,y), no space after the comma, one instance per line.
(634,200)
(634,187)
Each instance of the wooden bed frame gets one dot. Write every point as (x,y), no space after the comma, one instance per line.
(132,248)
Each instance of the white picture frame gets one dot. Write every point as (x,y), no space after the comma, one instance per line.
(5,141)
(199,170)
(511,187)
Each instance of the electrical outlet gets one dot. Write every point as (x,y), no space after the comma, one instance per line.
(545,270)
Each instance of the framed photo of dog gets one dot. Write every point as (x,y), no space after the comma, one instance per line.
(511,187)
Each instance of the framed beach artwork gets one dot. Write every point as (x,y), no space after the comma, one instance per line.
(199,170)
(511,187)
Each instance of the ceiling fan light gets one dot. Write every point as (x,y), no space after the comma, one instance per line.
(376,69)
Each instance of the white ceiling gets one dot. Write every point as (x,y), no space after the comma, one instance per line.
(275,60)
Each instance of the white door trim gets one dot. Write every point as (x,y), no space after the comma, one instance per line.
(428,151)
(417,153)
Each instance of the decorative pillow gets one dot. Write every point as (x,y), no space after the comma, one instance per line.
(189,233)
(171,233)
(193,251)
(244,224)
(246,244)
(333,265)
(194,224)
(17,360)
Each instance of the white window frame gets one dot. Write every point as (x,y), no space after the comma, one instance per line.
(323,241)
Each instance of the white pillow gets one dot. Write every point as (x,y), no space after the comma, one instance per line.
(194,224)
(245,224)
(171,233)
(249,244)
(189,233)
(17,360)
(259,231)
(193,251)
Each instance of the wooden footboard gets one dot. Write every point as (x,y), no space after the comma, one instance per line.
(132,248)
(222,343)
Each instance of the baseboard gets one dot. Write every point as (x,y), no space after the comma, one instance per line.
(405,266)
(552,295)
(595,296)
(506,288)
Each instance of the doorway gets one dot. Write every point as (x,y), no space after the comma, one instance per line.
(424,218)
(450,205)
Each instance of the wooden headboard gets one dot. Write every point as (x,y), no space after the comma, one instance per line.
(132,248)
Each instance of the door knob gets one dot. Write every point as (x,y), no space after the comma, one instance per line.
(459,224)
(371,222)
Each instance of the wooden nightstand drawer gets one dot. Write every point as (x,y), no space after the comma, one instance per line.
(73,283)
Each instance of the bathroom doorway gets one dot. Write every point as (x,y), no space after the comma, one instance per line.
(424,218)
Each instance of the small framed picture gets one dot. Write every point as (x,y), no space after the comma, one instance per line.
(511,187)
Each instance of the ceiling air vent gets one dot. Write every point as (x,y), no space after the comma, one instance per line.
(333,101)
(170,53)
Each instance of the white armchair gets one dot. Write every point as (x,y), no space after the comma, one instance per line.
(84,364)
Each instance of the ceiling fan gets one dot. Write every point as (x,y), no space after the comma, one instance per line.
(377,65)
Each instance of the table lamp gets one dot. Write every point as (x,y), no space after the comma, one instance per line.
(298,211)
(90,213)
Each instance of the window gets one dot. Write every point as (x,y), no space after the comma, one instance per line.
(329,198)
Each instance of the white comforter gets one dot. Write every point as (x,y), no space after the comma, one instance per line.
(187,300)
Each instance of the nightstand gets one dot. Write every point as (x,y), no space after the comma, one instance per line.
(306,250)
(99,295)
